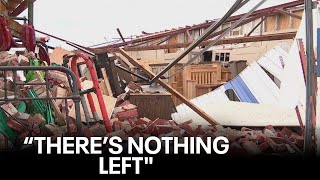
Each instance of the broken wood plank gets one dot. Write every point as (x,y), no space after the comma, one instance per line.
(58,115)
(107,83)
(204,115)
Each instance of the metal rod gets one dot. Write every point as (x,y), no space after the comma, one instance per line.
(40,98)
(220,37)
(80,48)
(5,85)
(15,84)
(19,18)
(210,30)
(30,11)
(67,117)
(55,37)
(128,71)
(120,34)
(309,131)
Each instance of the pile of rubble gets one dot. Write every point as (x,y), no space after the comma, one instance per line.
(127,123)
(19,119)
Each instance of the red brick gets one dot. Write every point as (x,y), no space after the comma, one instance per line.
(187,122)
(185,133)
(286,131)
(132,122)
(246,129)
(129,107)
(124,103)
(15,125)
(209,134)
(269,133)
(151,126)
(172,123)
(98,130)
(242,140)
(236,149)
(189,129)
(251,148)
(278,140)
(127,114)
(36,120)
(117,125)
(276,147)
(264,146)
(299,140)
(119,133)
(200,131)
(135,130)
(260,138)
(293,137)
(87,132)
(164,129)
(144,121)
(271,128)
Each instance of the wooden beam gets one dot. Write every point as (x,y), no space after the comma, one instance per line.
(204,115)
(203,25)
(269,37)
(190,39)
(19,9)
(256,26)
(289,14)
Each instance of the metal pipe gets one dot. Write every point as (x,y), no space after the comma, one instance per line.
(128,71)
(209,31)
(221,36)
(30,11)
(80,48)
(309,131)
(120,34)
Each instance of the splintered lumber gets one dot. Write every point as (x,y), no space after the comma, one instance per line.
(201,113)
(59,116)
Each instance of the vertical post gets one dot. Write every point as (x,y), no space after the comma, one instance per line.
(309,130)
(30,11)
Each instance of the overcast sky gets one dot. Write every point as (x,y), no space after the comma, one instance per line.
(90,22)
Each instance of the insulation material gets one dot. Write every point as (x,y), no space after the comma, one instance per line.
(252,85)
(232,114)
(274,61)
(260,84)
(293,87)
(241,89)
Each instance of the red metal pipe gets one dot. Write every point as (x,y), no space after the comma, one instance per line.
(95,81)
(89,96)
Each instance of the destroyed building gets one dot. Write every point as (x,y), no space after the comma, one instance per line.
(252,79)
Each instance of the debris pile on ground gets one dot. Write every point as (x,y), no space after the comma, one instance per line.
(19,119)
(259,141)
